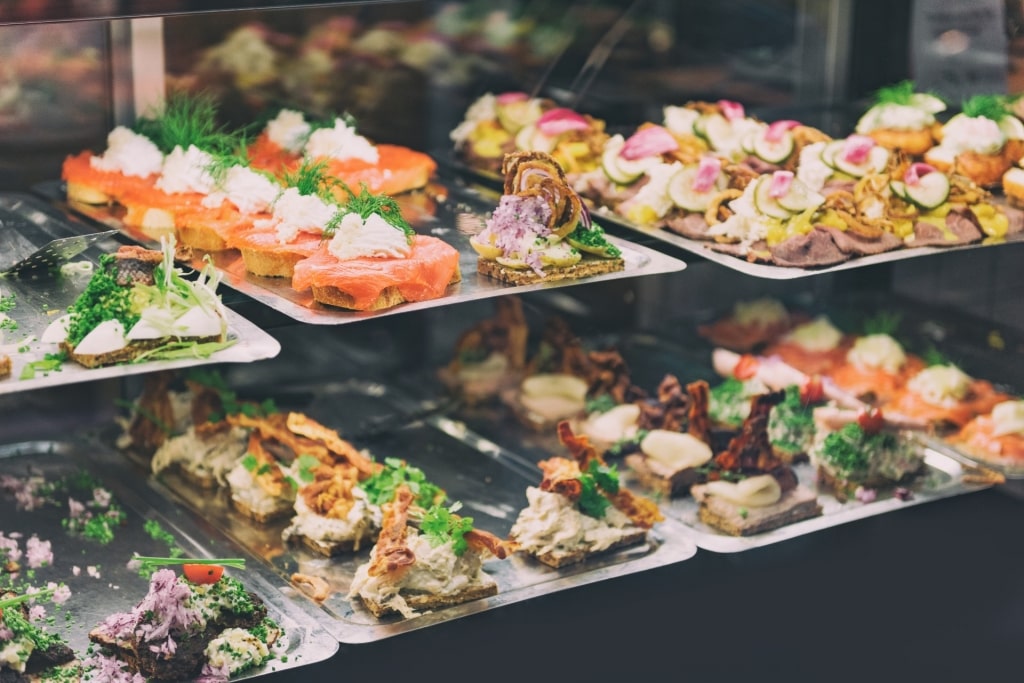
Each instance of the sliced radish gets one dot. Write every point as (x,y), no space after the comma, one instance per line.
(558,121)
(649,142)
(778,129)
(780,184)
(731,110)
(707,173)
(916,171)
(856,149)
(510,97)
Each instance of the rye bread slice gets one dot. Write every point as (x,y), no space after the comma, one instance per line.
(422,602)
(260,516)
(334,548)
(388,297)
(562,558)
(128,353)
(586,267)
(661,479)
(736,520)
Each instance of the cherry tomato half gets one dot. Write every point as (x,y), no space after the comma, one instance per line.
(746,367)
(202,573)
(871,420)
(812,391)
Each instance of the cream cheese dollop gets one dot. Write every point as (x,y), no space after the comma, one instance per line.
(877,352)
(760,491)
(250,191)
(340,142)
(941,385)
(896,117)
(972,134)
(1008,418)
(816,336)
(295,213)
(373,237)
(236,649)
(186,170)
(129,153)
(288,130)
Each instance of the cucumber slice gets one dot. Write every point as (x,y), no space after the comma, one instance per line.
(524,138)
(800,198)
(530,139)
(514,115)
(682,194)
(747,141)
(774,152)
(700,126)
(899,188)
(720,133)
(767,204)
(876,161)
(1012,127)
(930,192)
(619,170)
(829,153)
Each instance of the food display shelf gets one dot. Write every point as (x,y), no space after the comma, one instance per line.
(97,571)
(459,213)
(40,297)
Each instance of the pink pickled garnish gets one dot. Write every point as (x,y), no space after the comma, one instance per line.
(585,220)
(707,173)
(781,182)
(649,142)
(865,495)
(856,148)
(510,97)
(733,111)
(561,120)
(916,172)
(779,128)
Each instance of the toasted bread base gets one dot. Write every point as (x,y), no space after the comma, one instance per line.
(559,559)
(270,264)
(5,365)
(201,237)
(333,548)
(128,353)
(670,484)
(388,297)
(85,194)
(526,276)
(426,601)
(736,520)
(260,516)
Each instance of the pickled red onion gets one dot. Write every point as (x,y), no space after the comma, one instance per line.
(561,120)
(777,129)
(649,142)
(916,170)
(510,97)
(732,111)
(856,148)
(707,173)
(781,182)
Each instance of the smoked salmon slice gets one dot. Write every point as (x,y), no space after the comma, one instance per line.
(981,398)
(879,384)
(425,274)
(78,169)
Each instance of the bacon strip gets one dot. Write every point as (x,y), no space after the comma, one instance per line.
(267,472)
(480,540)
(751,449)
(392,555)
(330,493)
(275,427)
(303,425)
(699,423)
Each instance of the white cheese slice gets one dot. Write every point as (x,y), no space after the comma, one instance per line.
(759,491)
(106,337)
(675,449)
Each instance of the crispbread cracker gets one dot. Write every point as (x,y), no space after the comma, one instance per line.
(736,520)
(270,263)
(427,601)
(388,297)
(558,559)
(526,276)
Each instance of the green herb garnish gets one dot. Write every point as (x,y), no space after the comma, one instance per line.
(848,450)
(932,356)
(441,525)
(188,120)
(988,106)
(103,299)
(366,204)
(310,180)
(7,303)
(51,362)
(899,93)
(598,482)
(175,350)
(380,487)
(883,322)
(303,467)
(152,562)
(600,404)
(593,241)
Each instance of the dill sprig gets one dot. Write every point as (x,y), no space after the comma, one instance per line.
(366,204)
(883,322)
(988,106)
(329,121)
(223,161)
(898,93)
(150,562)
(310,178)
(187,120)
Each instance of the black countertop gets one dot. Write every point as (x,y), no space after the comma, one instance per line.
(932,592)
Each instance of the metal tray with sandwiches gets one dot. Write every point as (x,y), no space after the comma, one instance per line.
(39,477)
(459,214)
(489,482)
(34,297)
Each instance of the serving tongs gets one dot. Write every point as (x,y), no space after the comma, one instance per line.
(31,248)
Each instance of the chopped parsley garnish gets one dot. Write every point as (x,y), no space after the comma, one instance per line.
(601,404)
(51,362)
(791,424)
(849,449)
(7,303)
(158,533)
(598,482)
(188,120)
(729,402)
(898,93)
(932,356)
(366,204)
(441,524)
(303,467)
(593,241)
(989,106)
(380,487)
(883,322)
(103,299)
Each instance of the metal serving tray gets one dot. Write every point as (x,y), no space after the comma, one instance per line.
(453,220)
(115,587)
(488,480)
(40,300)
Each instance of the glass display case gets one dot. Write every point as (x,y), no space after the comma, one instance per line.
(866,588)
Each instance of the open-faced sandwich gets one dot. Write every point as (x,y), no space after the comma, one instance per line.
(750,324)
(750,490)
(138,305)
(995,437)
(580,510)
(721,125)
(202,622)
(858,454)
(425,559)
(902,120)
(29,652)
(490,355)
(370,258)
(875,368)
(943,397)
(491,124)
(541,231)
(982,142)
(814,347)
(837,165)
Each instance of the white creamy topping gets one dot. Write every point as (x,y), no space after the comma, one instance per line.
(249,190)
(1008,418)
(894,116)
(941,385)
(484,109)
(877,352)
(493,367)
(760,312)
(295,213)
(340,142)
(816,336)
(129,153)
(374,237)
(246,490)
(553,396)
(759,491)
(236,649)
(972,134)
(680,120)
(361,521)
(654,193)
(812,171)
(212,455)
(289,130)
(106,337)
(612,425)
(747,224)
(186,171)
(551,523)
(675,450)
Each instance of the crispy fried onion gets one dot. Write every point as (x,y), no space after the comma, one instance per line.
(537,174)
(330,493)
(963,191)
(751,450)
(740,175)
(303,425)
(670,410)
(314,586)
(808,135)
(698,421)
(267,471)
(718,210)
(844,204)
(391,554)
